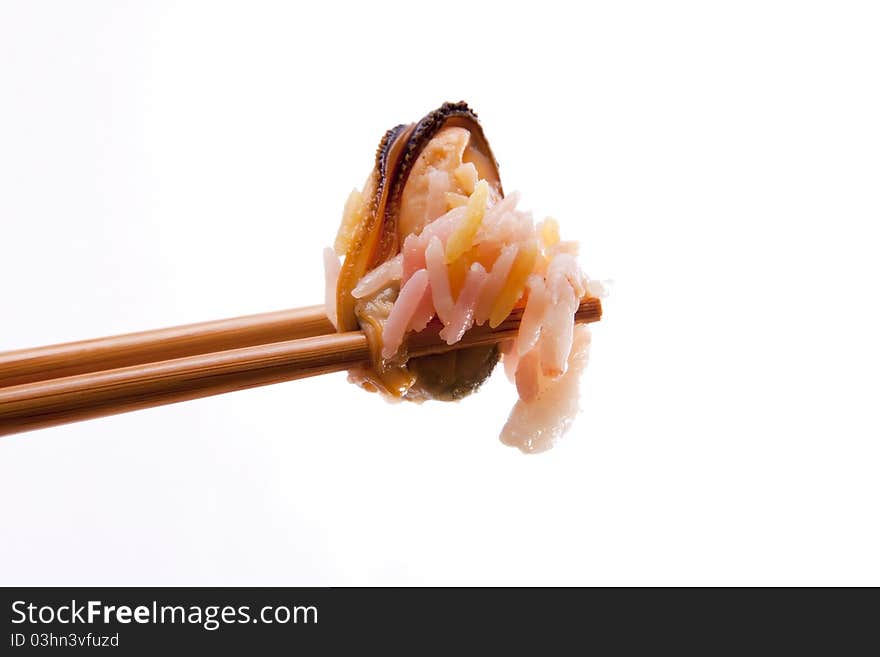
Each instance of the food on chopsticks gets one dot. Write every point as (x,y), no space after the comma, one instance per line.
(431,242)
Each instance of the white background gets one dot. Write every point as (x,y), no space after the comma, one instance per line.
(164,163)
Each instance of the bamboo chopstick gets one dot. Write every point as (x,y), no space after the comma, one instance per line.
(52,362)
(41,404)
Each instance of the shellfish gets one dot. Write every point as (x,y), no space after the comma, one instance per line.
(432,234)
(398,200)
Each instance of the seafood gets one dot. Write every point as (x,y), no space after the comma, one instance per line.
(432,239)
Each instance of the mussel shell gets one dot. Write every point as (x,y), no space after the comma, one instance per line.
(453,375)
(377,237)
(448,115)
(447,376)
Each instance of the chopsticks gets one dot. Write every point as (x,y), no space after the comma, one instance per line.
(55,361)
(239,363)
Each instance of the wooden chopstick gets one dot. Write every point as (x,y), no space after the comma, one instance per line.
(52,362)
(41,404)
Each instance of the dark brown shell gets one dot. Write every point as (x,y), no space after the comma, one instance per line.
(416,139)
(376,240)
(452,375)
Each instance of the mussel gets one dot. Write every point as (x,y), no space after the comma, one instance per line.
(376,222)
(431,242)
